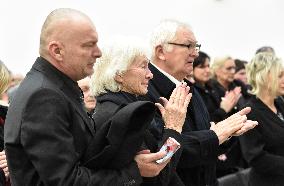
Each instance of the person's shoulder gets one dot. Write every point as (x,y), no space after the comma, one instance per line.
(258,108)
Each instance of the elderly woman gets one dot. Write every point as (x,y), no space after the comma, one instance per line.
(4,82)
(263,146)
(231,96)
(89,100)
(121,76)
(230,156)
(218,109)
(223,70)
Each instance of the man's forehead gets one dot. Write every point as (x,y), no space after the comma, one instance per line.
(186,34)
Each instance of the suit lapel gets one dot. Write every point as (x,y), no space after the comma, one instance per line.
(162,84)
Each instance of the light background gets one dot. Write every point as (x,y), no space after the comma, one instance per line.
(223,27)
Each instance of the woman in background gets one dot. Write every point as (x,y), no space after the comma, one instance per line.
(89,100)
(218,109)
(4,82)
(220,103)
(263,146)
(240,73)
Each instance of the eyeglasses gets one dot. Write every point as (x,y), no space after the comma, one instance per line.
(190,46)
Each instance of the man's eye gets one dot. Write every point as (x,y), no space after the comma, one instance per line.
(89,44)
(190,45)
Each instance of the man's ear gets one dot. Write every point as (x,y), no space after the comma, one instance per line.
(118,77)
(55,50)
(159,51)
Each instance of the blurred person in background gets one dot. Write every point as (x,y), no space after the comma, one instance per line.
(265,49)
(219,109)
(14,83)
(223,70)
(201,73)
(4,83)
(271,50)
(89,100)
(263,146)
(240,73)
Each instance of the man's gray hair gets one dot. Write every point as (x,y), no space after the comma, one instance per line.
(165,32)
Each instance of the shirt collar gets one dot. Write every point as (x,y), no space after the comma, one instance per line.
(172,78)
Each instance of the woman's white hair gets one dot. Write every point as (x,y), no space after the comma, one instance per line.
(261,67)
(116,58)
(165,32)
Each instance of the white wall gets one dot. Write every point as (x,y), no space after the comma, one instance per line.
(223,27)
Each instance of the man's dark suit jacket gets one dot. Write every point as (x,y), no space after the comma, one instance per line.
(263,146)
(47,132)
(200,145)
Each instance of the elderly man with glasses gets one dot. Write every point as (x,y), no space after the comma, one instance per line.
(174,48)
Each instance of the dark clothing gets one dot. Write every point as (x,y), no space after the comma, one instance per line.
(200,145)
(263,146)
(220,92)
(234,160)
(212,101)
(3,112)
(47,132)
(110,104)
(120,137)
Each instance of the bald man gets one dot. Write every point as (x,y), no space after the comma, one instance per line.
(47,130)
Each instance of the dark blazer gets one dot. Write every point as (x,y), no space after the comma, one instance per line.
(263,146)
(111,104)
(47,132)
(200,145)
(211,94)
(212,101)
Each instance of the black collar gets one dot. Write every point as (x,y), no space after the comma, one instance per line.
(56,75)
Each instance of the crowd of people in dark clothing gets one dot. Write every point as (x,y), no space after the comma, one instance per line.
(85,116)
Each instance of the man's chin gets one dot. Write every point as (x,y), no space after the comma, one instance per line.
(89,72)
(188,71)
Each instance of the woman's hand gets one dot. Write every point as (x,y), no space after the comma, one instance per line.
(147,165)
(230,99)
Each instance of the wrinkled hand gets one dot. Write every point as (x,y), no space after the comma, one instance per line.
(248,125)
(3,163)
(230,99)
(147,165)
(233,125)
(174,109)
